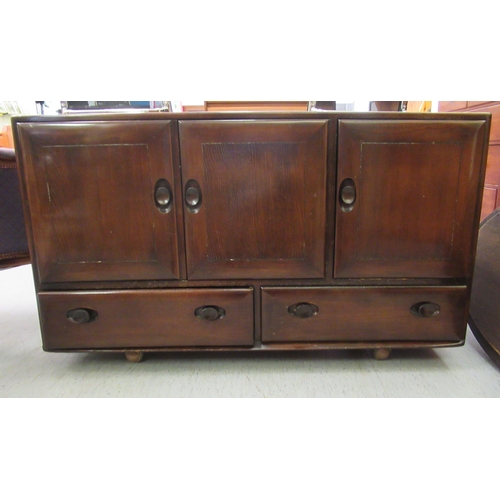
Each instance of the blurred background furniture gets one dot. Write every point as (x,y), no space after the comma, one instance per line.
(256,105)
(322,105)
(491,198)
(6,139)
(484,317)
(417,106)
(112,106)
(385,105)
(13,242)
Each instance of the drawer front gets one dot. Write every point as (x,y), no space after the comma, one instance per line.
(147,318)
(369,314)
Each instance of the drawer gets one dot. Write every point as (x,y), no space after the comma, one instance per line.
(147,318)
(364,314)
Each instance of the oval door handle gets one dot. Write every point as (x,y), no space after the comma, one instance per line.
(303,310)
(347,195)
(163,196)
(81,315)
(425,309)
(210,313)
(192,196)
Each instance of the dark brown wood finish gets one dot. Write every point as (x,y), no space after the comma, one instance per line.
(484,318)
(146,318)
(263,198)
(416,196)
(362,314)
(91,193)
(269,228)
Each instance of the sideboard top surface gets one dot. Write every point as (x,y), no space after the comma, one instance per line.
(251,115)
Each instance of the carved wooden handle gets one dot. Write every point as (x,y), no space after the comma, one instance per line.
(425,309)
(192,196)
(163,196)
(347,195)
(303,310)
(81,315)
(210,313)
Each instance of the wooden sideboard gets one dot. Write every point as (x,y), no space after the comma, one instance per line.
(491,197)
(239,231)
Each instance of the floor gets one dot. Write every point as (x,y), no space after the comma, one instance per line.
(28,372)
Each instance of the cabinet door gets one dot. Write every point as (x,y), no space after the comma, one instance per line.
(407,197)
(254,198)
(92,189)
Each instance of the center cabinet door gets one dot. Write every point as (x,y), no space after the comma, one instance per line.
(255,198)
(407,197)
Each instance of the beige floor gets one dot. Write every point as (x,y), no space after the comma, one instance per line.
(27,371)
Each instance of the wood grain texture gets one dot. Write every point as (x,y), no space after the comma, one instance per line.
(269,175)
(264,198)
(474,104)
(155,318)
(363,314)
(414,214)
(447,106)
(269,218)
(90,190)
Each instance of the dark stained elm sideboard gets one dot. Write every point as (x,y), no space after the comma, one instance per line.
(252,231)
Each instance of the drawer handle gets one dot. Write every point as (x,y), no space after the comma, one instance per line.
(210,313)
(347,195)
(163,196)
(425,309)
(192,196)
(303,310)
(81,315)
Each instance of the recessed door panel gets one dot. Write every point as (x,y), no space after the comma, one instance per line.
(413,198)
(257,208)
(93,196)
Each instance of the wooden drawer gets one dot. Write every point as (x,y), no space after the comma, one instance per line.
(146,319)
(363,314)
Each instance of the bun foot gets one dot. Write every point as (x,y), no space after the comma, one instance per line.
(134,356)
(382,353)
